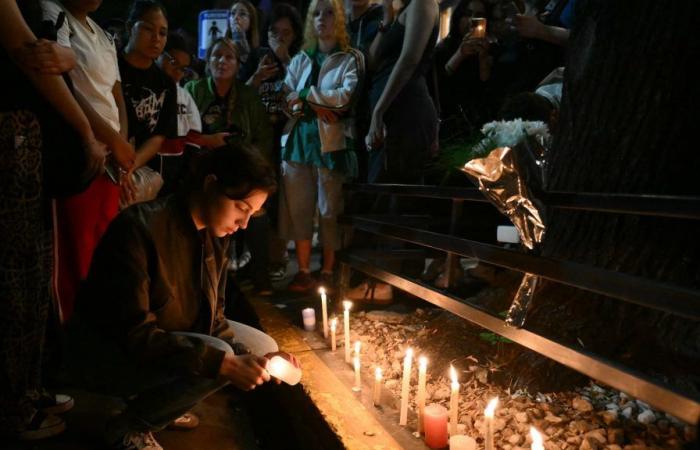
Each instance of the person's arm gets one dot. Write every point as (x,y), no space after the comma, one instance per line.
(122,151)
(373,57)
(531,27)
(121,106)
(266,69)
(421,16)
(337,99)
(148,150)
(15,36)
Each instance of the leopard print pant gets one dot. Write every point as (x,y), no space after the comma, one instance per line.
(25,267)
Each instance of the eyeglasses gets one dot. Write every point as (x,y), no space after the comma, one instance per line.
(173,62)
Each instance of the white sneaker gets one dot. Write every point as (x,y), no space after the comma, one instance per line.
(140,441)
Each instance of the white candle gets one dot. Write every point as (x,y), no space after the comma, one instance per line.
(334,324)
(280,368)
(537,441)
(356,363)
(347,304)
(357,347)
(308,316)
(408,359)
(422,368)
(489,413)
(324,311)
(462,442)
(377,394)
(454,401)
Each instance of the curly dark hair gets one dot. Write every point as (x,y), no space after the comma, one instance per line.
(286,11)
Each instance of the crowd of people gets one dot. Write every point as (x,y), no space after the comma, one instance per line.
(128,164)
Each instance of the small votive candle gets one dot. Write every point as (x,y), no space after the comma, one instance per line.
(377,394)
(308,315)
(462,442)
(435,425)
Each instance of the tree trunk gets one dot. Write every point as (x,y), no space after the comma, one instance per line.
(627,126)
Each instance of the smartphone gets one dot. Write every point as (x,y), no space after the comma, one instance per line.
(479,27)
(112,171)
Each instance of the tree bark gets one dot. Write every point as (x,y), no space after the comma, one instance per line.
(627,125)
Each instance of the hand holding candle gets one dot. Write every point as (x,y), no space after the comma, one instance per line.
(347,304)
(454,401)
(405,386)
(489,413)
(422,369)
(324,311)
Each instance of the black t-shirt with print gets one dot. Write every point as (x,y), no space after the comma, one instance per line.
(151,102)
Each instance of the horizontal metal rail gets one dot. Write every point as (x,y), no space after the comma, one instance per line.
(609,372)
(652,294)
(643,205)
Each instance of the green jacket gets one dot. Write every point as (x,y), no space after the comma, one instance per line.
(245,112)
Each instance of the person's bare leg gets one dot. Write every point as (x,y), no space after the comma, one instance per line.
(328,260)
(303,250)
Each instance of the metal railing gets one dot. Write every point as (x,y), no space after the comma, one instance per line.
(665,297)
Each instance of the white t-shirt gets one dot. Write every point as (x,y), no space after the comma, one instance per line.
(188,117)
(97,69)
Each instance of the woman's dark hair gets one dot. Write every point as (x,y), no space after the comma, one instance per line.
(177,42)
(253,33)
(460,11)
(142,7)
(286,11)
(239,169)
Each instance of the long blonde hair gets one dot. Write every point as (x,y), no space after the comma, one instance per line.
(341,33)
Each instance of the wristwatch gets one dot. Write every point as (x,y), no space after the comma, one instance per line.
(383,28)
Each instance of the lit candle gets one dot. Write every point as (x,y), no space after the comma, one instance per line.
(408,359)
(435,425)
(377,394)
(334,324)
(282,369)
(489,413)
(462,442)
(324,311)
(356,364)
(454,401)
(422,368)
(347,304)
(537,441)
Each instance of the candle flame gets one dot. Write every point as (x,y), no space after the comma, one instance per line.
(357,348)
(334,323)
(378,374)
(276,367)
(453,376)
(491,408)
(409,353)
(322,290)
(537,441)
(423,362)
(347,304)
